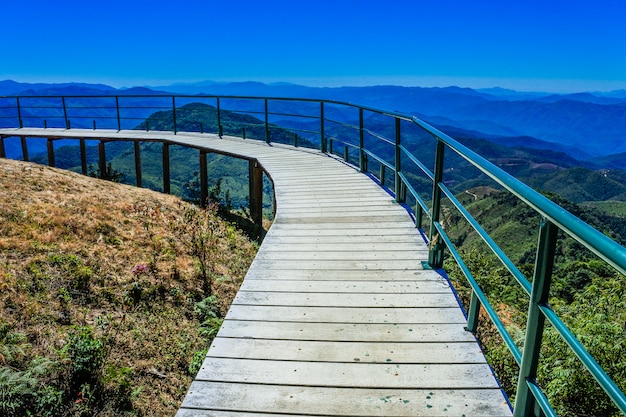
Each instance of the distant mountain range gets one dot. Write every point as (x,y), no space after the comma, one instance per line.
(590,127)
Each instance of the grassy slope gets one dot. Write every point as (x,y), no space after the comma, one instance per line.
(68,246)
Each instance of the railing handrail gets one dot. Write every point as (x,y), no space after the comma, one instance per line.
(554,217)
(591,238)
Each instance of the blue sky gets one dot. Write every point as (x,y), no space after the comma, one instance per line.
(546,45)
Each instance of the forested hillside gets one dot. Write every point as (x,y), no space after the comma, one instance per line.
(587,293)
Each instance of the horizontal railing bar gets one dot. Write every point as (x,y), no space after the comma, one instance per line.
(351,145)
(292,130)
(607,384)
(415,194)
(510,343)
(510,266)
(541,398)
(345,124)
(293,115)
(601,245)
(381,137)
(417,162)
(398,115)
(380,160)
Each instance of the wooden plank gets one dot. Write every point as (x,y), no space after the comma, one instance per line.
(320,401)
(345,274)
(364,352)
(320,211)
(351,300)
(334,265)
(348,332)
(336,286)
(359,375)
(336,218)
(341,255)
(378,315)
(349,227)
(358,242)
(348,245)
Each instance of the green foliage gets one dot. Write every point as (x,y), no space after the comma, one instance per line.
(119,386)
(24,392)
(86,354)
(79,274)
(210,327)
(215,194)
(597,316)
(200,232)
(13,345)
(586,293)
(208,308)
(110,173)
(196,361)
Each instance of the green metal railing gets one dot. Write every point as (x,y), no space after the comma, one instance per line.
(344,129)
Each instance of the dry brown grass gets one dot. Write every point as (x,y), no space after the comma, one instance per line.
(68,246)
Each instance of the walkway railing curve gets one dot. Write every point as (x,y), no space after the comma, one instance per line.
(367,138)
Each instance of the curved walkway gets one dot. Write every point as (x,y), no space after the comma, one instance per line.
(336,316)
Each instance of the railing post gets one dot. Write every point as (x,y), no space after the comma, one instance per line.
(435,254)
(83,156)
(117,110)
(362,162)
(400,197)
(472,313)
(166,167)
(219,118)
(267,125)
(174,112)
(50,146)
(323,146)
(19,113)
(24,148)
(138,179)
(102,160)
(524,400)
(65,113)
(256,192)
(204,186)
(419,215)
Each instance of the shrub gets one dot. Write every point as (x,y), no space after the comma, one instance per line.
(86,354)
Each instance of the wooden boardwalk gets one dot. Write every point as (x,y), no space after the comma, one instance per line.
(336,316)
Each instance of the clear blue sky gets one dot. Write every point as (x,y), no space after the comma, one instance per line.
(547,45)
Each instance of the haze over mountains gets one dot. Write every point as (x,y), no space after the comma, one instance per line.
(590,127)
